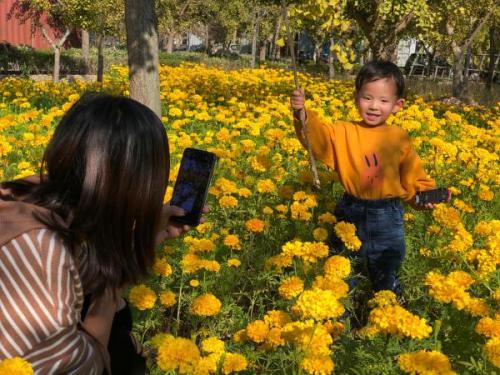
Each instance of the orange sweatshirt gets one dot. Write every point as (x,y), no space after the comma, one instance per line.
(372,162)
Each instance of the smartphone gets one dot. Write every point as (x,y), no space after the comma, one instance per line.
(438,195)
(191,187)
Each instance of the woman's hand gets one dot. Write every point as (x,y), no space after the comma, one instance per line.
(170,229)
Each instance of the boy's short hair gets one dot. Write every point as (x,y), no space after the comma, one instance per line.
(379,69)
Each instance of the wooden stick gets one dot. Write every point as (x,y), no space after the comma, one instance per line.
(302,115)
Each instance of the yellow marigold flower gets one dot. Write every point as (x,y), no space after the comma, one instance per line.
(318,304)
(162,268)
(190,263)
(277,318)
(158,339)
(334,328)
(383,298)
(205,305)
(257,331)
(208,365)
(311,251)
(337,286)
(266,186)
(228,201)
(291,287)
(320,234)
(15,366)
(142,297)
(255,225)
(202,245)
(267,210)
(213,345)
(234,363)
(178,354)
(446,216)
(309,337)
(318,365)
(347,233)
(244,192)
(240,336)
(425,362)
(168,298)
(273,339)
(232,241)
(337,267)
(234,262)
(496,294)
(300,212)
(279,262)
(489,327)
(327,218)
(194,283)
(175,112)
(395,320)
(281,208)
(492,350)
(210,265)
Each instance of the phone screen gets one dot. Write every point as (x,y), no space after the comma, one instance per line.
(192,183)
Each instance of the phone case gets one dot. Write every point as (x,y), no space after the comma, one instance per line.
(193,216)
(438,195)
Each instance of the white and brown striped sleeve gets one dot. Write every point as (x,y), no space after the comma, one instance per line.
(40,304)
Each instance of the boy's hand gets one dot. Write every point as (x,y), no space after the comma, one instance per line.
(297,100)
(413,203)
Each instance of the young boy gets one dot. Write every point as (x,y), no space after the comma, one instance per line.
(377,166)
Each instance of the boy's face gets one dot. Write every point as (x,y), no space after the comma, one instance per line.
(377,100)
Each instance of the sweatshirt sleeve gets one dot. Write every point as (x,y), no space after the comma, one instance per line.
(321,137)
(412,173)
(41,296)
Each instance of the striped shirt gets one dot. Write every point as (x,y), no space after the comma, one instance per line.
(41,298)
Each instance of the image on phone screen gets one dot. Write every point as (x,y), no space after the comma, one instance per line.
(192,183)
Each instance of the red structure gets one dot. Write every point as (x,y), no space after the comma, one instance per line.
(14,32)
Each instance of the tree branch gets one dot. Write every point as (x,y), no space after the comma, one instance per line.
(46,36)
(476,27)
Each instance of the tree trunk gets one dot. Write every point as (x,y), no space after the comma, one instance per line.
(459,84)
(207,38)
(255,34)
(493,52)
(317,52)
(263,51)
(142,48)
(383,51)
(100,57)
(57,64)
(56,46)
(170,41)
(274,48)
(85,51)
(331,67)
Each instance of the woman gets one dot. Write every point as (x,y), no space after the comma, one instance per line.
(87,226)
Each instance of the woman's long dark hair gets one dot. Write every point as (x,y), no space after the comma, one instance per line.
(105,172)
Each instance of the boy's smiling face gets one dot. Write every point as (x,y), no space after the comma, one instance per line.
(377,100)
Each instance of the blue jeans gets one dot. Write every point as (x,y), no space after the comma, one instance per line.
(380,227)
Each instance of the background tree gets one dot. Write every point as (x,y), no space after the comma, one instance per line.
(455,25)
(385,22)
(142,47)
(101,18)
(174,18)
(61,16)
(325,21)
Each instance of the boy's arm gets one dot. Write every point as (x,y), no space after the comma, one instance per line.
(412,174)
(319,134)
